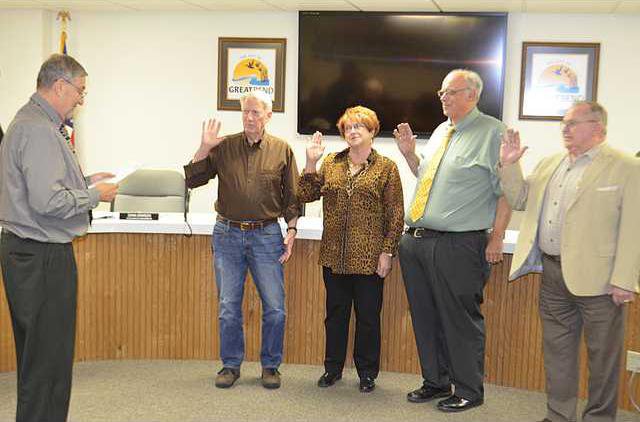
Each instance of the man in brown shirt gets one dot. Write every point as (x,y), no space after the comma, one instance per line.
(257,179)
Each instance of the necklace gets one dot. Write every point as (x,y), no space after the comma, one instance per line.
(353,172)
(353,167)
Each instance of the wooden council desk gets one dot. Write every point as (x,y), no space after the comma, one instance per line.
(146,291)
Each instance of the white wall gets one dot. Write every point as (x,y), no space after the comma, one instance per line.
(619,38)
(152,79)
(24,43)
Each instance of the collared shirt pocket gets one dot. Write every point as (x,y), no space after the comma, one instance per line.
(271,179)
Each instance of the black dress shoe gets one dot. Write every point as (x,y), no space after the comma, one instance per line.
(427,393)
(327,379)
(458,404)
(367,385)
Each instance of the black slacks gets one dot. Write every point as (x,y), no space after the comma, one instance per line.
(40,281)
(364,291)
(444,275)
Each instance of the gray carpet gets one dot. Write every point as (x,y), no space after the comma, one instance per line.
(145,391)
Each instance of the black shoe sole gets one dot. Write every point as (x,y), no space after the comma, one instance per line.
(271,386)
(428,399)
(367,390)
(225,385)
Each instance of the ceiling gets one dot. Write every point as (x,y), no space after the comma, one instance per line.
(528,6)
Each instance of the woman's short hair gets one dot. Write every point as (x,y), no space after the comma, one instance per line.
(360,114)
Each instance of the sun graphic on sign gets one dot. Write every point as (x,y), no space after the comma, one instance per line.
(251,71)
(560,77)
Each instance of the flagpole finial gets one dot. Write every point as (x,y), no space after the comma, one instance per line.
(64,15)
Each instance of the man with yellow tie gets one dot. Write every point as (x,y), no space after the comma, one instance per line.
(457,220)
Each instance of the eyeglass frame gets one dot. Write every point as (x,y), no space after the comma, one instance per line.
(354,126)
(450,92)
(81,92)
(572,123)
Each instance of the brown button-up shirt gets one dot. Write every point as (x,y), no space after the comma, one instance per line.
(362,218)
(255,181)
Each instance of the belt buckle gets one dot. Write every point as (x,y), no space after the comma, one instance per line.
(244,226)
(418,232)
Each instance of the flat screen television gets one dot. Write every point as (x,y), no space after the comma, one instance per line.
(394,63)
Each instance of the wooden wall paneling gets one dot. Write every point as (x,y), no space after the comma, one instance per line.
(153,296)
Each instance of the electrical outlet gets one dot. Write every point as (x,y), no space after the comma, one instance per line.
(633,361)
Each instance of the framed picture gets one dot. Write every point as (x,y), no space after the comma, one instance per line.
(250,64)
(554,76)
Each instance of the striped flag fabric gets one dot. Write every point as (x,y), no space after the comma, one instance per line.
(64,16)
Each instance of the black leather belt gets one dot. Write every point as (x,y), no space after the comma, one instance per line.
(247,225)
(420,232)
(555,258)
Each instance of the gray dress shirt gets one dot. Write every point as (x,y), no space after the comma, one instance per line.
(561,192)
(43,194)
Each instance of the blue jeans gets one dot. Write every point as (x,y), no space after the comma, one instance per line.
(258,250)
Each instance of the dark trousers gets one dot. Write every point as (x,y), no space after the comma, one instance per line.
(40,281)
(444,275)
(564,316)
(365,292)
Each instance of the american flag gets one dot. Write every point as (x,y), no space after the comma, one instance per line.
(63,16)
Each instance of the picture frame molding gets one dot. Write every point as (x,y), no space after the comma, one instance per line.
(592,50)
(279,45)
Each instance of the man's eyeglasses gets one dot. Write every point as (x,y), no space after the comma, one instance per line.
(355,126)
(571,123)
(450,92)
(81,92)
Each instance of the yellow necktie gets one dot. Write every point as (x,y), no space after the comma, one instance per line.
(422,195)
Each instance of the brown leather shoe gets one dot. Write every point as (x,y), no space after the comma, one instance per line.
(270,378)
(226,377)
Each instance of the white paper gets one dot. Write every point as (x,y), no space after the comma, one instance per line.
(120,174)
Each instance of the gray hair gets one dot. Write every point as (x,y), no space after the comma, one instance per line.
(59,66)
(259,95)
(597,110)
(474,81)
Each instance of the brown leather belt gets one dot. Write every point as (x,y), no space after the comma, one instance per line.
(420,232)
(555,258)
(247,225)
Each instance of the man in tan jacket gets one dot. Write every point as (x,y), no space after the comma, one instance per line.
(580,230)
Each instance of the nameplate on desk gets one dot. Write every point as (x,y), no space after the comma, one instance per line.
(138,216)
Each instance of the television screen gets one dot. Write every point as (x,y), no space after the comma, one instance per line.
(393,63)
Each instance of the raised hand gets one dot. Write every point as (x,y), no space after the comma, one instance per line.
(315,149)
(510,149)
(405,139)
(210,138)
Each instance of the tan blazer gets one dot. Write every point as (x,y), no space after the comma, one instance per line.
(601,234)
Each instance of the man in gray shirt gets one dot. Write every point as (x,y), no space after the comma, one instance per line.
(44,204)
